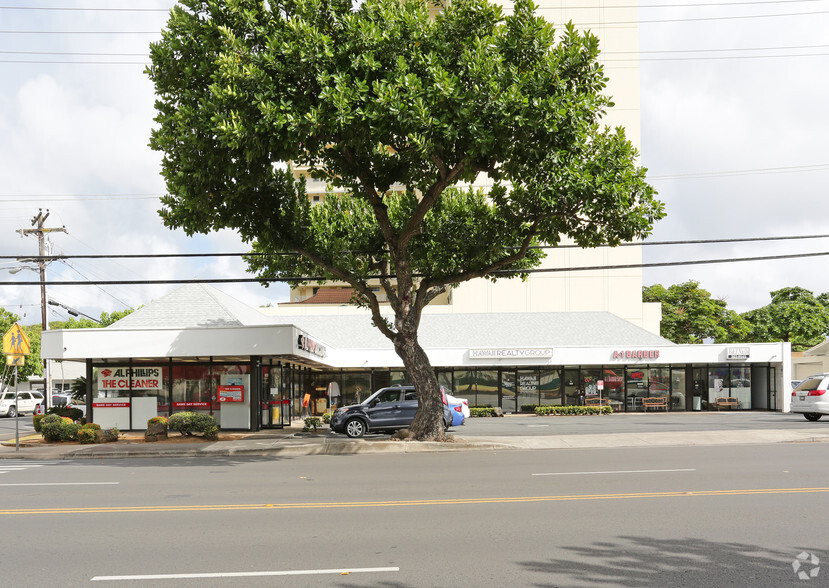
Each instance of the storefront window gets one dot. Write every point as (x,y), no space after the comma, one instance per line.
(571,386)
(356,387)
(678,389)
(464,386)
(486,382)
(549,382)
(445,381)
(590,384)
(527,390)
(717,386)
(399,378)
(191,388)
(614,387)
(508,390)
(636,381)
(740,388)
(659,382)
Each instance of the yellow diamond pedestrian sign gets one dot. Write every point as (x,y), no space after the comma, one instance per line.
(16,342)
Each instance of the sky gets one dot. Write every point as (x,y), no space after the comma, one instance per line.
(734,129)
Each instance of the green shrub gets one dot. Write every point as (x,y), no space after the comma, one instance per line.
(312,423)
(72,413)
(36,418)
(59,428)
(529,407)
(87,436)
(326,418)
(481,411)
(572,410)
(158,420)
(188,423)
(90,427)
(211,433)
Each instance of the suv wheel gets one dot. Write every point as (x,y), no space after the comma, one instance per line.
(12,412)
(355,428)
(813,416)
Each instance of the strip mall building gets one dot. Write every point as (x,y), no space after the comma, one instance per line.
(199,349)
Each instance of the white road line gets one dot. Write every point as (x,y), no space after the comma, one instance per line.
(613,472)
(66,484)
(341,571)
(538,425)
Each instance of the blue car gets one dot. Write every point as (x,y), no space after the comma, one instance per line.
(457,414)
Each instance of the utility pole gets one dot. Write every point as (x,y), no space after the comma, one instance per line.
(41,232)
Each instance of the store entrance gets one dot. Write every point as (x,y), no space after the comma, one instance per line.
(275,404)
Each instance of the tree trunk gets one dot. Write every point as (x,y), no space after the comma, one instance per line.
(428,422)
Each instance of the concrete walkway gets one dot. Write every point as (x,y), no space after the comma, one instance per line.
(292,442)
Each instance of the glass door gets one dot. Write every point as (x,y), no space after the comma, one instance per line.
(508,391)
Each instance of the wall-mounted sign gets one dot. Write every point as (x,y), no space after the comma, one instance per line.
(527,383)
(114,403)
(510,353)
(737,352)
(636,354)
(119,378)
(189,405)
(231,393)
(305,343)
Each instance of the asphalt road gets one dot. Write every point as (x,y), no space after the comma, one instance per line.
(679,516)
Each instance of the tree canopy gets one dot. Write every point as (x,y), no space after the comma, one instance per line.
(794,315)
(691,315)
(397,112)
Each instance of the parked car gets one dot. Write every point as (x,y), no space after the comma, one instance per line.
(457,414)
(27,401)
(388,409)
(462,401)
(810,397)
(64,399)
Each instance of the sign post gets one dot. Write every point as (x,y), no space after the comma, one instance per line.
(600,386)
(16,347)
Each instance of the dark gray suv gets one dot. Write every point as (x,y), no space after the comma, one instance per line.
(388,409)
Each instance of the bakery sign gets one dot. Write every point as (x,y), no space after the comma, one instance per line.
(124,378)
(511,353)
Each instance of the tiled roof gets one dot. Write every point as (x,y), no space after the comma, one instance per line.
(326,296)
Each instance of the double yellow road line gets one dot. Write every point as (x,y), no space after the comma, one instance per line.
(399,503)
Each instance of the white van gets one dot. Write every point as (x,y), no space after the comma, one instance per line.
(810,398)
(27,401)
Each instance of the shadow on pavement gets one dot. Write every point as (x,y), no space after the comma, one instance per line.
(643,561)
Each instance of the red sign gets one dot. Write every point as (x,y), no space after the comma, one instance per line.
(231,393)
(111,403)
(191,405)
(636,354)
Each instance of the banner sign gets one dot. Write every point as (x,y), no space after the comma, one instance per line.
(120,378)
(113,403)
(191,405)
(510,353)
(231,393)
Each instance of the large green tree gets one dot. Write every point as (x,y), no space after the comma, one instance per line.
(794,315)
(33,365)
(691,315)
(394,109)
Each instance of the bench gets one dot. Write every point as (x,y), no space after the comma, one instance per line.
(727,402)
(655,402)
(594,401)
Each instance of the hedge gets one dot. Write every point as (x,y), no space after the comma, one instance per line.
(572,410)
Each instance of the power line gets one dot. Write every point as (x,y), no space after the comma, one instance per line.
(393,276)
(63,258)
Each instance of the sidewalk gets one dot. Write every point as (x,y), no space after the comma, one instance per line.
(291,442)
